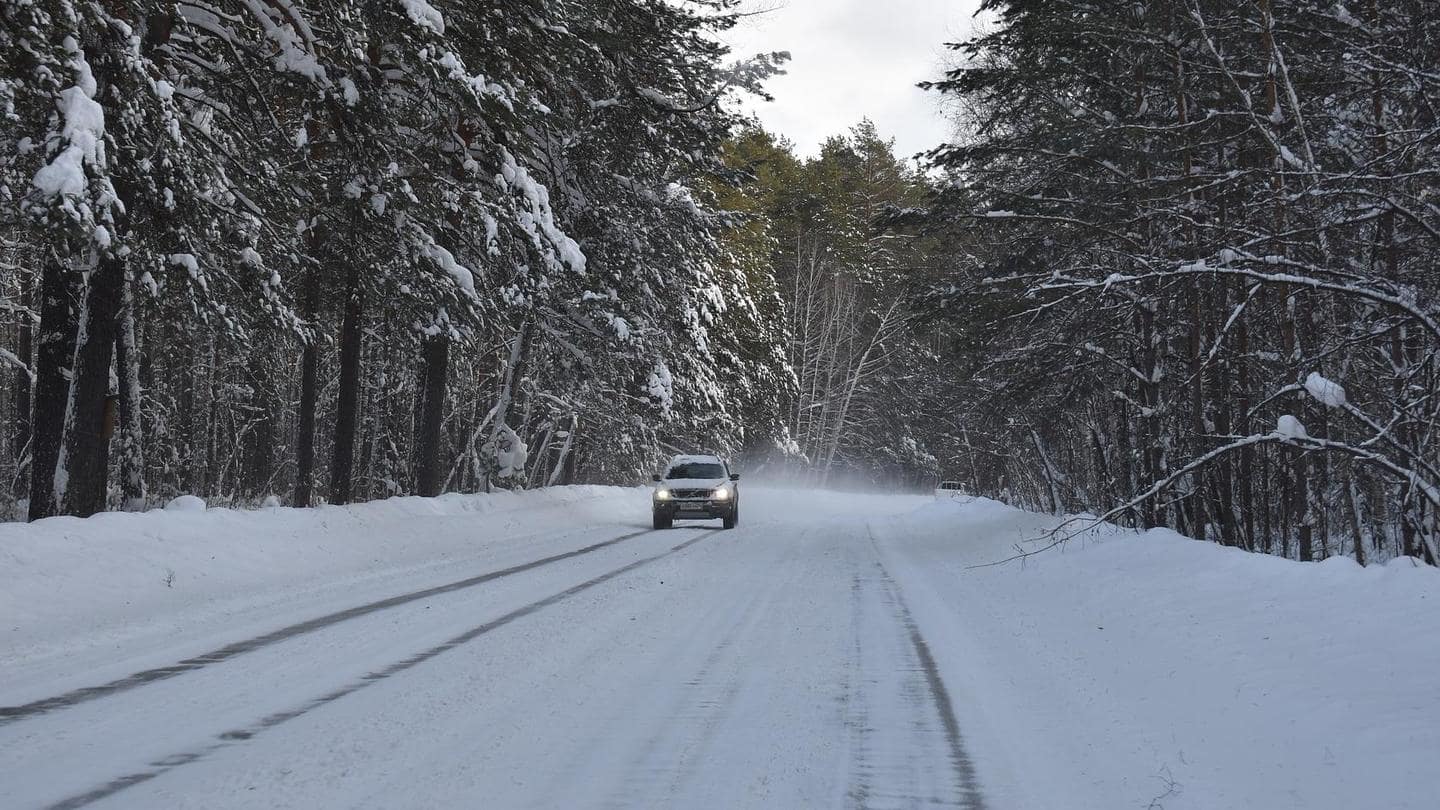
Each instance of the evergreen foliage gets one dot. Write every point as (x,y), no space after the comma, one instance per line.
(342,249)
(1196,255)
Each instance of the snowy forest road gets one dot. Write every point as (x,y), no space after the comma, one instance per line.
(546,649)
(775,665)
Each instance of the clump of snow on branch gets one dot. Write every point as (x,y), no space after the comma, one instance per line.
(293,56)
(478,83)
(661,387)
(424,15)
(445,260)
(538,219)
(511,453)
(1327,393)
(83,131)
(1290,427)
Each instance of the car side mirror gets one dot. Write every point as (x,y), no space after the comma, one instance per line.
(734,476)
(655,477)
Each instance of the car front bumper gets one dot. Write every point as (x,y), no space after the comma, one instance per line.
(694,509)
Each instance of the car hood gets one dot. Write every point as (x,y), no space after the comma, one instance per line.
(690,483)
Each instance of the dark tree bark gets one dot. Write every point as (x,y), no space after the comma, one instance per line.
(1300,507)
(309,367)
(127,364)
(347,409)
(1152,514)
(59,296)
(428,476)
(21,391)
(185,420)
(1247,454)
(87,443)
(260,449)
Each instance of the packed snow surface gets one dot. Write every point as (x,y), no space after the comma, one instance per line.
(546,649)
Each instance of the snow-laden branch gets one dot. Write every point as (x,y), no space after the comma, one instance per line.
(1296,438)
(9,357)
(1398,302)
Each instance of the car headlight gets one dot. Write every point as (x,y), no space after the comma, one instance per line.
(721,494)
(662,494)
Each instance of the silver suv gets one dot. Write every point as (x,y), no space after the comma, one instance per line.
(696,488)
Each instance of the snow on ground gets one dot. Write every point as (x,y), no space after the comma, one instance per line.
(134,580)
(833,651)
(1130,669)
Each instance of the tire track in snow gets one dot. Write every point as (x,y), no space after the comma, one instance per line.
(11,714)
(667,762)
(927,694)
(669,757)
(854,715)
(649,746)
(234,736)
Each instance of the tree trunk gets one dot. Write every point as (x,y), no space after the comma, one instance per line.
(1125,461)
(1103,492)
(1052,487)
(563,471)
(186,403)
(21,390)
(309,367)
(1300,508)
(87,443)
(1357,525)
(209,476)
(432,416)
(127,364)
(59,297)
(260,450)
(1200,520)
(347,409)
(518,349)
(1246,480)
(1153,435)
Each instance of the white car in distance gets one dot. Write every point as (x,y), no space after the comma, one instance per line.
(951,489)
(696,488)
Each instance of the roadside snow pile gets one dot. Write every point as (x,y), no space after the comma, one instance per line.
(65,580)
(1135,670)
(185,503)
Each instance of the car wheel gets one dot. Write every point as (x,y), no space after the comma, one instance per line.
(662,522)
(734,518)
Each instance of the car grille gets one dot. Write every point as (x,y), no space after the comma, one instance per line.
(690,493)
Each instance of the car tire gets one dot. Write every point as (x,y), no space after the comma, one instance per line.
(662,522)
(729,522)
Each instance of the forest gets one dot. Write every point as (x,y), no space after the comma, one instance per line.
(1175,267)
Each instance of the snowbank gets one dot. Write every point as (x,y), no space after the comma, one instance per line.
(1149,667)
(67,580)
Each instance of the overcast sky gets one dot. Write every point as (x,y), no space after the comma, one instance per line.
(851,59)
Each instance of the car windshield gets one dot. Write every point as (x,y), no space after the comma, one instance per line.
(696,470)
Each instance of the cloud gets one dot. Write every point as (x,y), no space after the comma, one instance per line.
(853,59)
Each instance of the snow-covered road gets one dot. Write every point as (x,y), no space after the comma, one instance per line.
(832,651)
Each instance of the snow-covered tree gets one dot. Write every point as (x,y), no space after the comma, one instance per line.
(350,248)
(1170,216)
